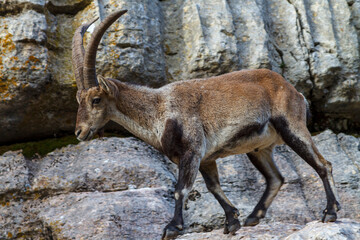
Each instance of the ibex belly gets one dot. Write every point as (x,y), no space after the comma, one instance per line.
(246,141)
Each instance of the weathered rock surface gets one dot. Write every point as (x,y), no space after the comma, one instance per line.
(111,165)
(274,230)
(140,214)
(341,229)
(118,186)
(314,44)
(122,188)
(14,173)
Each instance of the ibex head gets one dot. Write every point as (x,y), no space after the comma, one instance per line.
(94,93)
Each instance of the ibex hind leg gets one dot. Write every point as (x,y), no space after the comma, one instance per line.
(209,171)
(263,161)
(297,136)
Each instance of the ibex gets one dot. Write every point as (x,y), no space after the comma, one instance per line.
(196,121)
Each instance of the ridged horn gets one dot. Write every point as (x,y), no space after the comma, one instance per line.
(89,71)
(78,53)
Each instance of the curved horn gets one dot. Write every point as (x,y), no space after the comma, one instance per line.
(90,79)
(78,53)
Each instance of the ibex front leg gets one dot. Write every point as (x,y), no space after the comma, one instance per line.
(188,168)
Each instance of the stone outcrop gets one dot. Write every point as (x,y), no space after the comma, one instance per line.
(313,44)
(122,188)
(342,229)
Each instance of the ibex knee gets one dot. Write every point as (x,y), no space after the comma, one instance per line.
(276,183)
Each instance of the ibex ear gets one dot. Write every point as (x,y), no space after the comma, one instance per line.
(106,85)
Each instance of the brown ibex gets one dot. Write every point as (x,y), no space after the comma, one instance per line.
(194,122)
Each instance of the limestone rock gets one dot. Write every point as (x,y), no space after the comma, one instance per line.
(117,187)
(20,219)
(123,188)
(66,6)
(341,229)
(140,214)
(110,164)
(275,230)
(14,173)
(132,48)
(313,44)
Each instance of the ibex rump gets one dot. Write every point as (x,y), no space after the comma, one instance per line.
(195,122)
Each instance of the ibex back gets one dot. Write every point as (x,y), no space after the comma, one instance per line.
(194,122)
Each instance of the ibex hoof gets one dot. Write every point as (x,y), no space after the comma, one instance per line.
(251,221)
(171,232)
(337,206)
(329,217)
(232,228)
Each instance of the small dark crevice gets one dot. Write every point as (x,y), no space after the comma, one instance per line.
(350,2)
(67,9)
(128,45)
(116,220)
(268,27)
(48,232)
(281,55)
(51,47)
(31,41)
(235,23)
(301,37)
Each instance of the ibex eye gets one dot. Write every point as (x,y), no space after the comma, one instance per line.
(96,100)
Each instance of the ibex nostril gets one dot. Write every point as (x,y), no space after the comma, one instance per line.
(77,133)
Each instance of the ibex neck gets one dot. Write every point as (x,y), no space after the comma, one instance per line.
(137,109)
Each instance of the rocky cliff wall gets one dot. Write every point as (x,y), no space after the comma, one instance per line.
(123,189)
(314,44)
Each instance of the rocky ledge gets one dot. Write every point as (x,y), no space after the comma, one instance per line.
(121,188)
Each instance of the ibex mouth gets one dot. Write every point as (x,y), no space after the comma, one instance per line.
(87,137)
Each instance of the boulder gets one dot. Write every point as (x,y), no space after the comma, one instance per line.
(106,165)
(119,187)
(140,214)
(14,173)
(341,229)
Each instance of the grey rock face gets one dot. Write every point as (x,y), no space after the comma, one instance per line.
(313,44)
(14,173)
(102,165)
(342,229)
(122,188)
(140,214)
(275,230)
